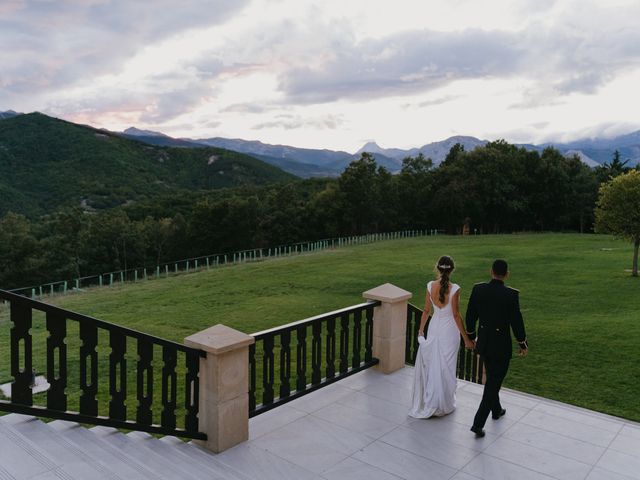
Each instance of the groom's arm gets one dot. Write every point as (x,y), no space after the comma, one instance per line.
(472,315)
(517,323)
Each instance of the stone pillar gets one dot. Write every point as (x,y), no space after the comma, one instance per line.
(389,325)
(224,386)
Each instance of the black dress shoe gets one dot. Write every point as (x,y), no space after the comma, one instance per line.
(478,431)
(502,412)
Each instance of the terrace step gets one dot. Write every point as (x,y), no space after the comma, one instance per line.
(30,448)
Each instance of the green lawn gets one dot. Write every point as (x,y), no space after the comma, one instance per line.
(579,302)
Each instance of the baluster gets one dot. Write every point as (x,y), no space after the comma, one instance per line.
(192,392)
(88,353)
(21,346)
(357,342)
(460,366)
(285,363)
(301,358)
(344,343)
(144,382)
(417,316)
(331,347)
(169,387)
(252,377)
(267,370)
(408,343)
(117,375)
(56,396)
(480,370)
(368,334)
(467,364)
(316,352)
(474,363)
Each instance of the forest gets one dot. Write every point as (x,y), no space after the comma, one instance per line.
(498,188)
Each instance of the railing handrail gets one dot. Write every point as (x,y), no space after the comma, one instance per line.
(78,317)
(307,321)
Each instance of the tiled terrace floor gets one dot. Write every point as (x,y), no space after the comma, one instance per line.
(358,429)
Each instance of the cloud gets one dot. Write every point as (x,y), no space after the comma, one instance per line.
(568,52)
(54,44)
(244,108)
(403,64)
(291,122)
(439,101)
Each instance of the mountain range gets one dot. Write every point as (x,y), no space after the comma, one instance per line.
(47,163)
(305,162)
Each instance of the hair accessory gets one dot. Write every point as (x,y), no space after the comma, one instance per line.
(444,267)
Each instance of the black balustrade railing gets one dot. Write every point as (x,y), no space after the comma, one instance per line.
(298,358)
(91,365)
(469,365)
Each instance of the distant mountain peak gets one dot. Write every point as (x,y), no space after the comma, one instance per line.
(8,114)
(136,132)
(370,147)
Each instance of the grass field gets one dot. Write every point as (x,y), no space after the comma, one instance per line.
(579,302)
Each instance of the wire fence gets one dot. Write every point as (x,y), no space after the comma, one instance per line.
(210,261)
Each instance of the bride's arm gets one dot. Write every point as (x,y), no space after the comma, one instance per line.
(455,305)
(425,314)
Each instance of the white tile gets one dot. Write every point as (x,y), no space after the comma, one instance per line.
(631,431)
(491,468)
(355,420)
(312,443)
(363,379)
(353,469)
(449,432)
(569,428)
(463,476)
(321,398)
(556,443)
(601,474)
(404,464)
(272,420)
(578,415)
(392,412)
(256,462)
(626,444)
(621,463)
(430,446)
(390,392)
(538,460)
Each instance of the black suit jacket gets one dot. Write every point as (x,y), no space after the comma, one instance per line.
(497,307)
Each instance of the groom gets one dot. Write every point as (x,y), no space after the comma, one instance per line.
(498,309)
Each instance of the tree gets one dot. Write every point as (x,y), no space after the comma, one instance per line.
(611,170)
(359,199)
(618,210)
(18,252)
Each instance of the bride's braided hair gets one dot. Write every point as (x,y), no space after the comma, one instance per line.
(444,267)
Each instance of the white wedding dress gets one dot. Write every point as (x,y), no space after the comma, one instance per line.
(434,384)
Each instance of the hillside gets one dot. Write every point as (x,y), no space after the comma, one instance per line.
(48,163)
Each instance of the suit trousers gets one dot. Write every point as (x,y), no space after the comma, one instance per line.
(496,368)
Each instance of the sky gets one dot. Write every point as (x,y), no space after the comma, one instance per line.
(328,74)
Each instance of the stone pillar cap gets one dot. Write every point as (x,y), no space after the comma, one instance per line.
(218,339)
(387,293)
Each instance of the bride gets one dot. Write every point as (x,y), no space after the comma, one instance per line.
(434,384)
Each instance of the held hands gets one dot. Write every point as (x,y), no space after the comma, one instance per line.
(469,344)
